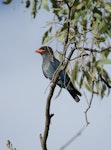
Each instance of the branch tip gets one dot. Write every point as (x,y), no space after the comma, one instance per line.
(51,115)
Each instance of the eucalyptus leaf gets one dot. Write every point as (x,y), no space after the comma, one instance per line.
(101,39)
(7,2)
(97,85)
(103,89)
(74,72)
(88,87)
(88,77)
(81,81)
(102,27)
(34,8)
(102,62)
(27,4)
(108,8)
(45,5)
(79,6)
(58,93)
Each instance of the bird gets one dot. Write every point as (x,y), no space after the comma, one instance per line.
(50,65)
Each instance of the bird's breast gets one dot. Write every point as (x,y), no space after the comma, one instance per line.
(48,68)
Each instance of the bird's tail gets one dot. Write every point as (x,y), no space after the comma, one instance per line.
(74,94)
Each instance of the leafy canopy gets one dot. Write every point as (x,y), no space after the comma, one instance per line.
(89,24)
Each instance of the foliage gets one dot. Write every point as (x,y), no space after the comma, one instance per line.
(90,29)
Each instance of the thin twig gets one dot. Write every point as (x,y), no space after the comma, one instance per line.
(95,50)
(89,106)
(67,4)
(9,145)
(88,49)
(73,138)
(81,55)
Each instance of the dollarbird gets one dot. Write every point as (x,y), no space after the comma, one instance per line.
(50,65)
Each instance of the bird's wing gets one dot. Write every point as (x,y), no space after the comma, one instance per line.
(64,79)
(54,63)
(49,66)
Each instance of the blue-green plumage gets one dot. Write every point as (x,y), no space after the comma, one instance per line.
(50,65)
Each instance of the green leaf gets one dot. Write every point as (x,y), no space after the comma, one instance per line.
(98,16)
(105,75)
(81,81)
(27,4)
(74,72)
(47,39)
(46,36)
(7,2)
(80,6)
(103,89)
(102,27)
(34,8)
(108,8)
(58,93)
(96,10)
(98,87)
(88,77)
(102,62)
(101,39)
(107,52)
(88,87)
(45,5)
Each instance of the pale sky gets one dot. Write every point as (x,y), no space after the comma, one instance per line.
(23,96)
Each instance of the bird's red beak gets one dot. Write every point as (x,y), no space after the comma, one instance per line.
(39,51)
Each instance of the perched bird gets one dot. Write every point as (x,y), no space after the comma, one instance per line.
(50,65)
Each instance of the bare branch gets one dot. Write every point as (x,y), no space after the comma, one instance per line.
(62,66)
(89,106)
(95,50)
(9,145)
(43,138)
(87,49)
(67,4)
(73,138)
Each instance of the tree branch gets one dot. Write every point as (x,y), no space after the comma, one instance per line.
(62,66)
(48,116)
(73,138)
(89,106)
(95,50)
(9,145)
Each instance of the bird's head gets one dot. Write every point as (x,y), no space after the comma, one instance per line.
(45,50)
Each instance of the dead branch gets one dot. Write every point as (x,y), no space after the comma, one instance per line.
(73,138)
(10,146)
(89,106)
